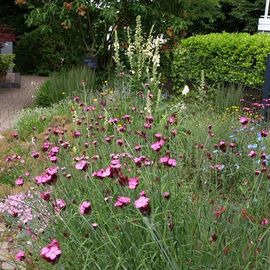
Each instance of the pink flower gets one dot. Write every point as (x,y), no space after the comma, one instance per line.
(167,161)
(158,145)
(133,183)
(243,120)
(52,252)
(48,177)
(138,147)
(265,222)
(35,154)
(222,146)
(252,154)
(172,119)
(143,205)
(264,133)
(45,195)
(85,208)
(102,173)
(59,205)
(76,134)
(122,201)
(53,159)
(82,165)
(19,181)
(166,195)
(94,226)
(20,255)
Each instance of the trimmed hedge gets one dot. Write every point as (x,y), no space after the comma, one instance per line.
(234,58)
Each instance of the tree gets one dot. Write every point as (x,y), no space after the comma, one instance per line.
(92,23)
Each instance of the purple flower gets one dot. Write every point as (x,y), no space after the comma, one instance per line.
(20,255)
(133,183)
(167,161)
(59,205)
(143,205)
(19,181)
(35,154)
(158,145)
(85,208)
(52,252)
(122,201)
(82,165)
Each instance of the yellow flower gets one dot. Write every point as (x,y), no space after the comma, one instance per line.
(94,100)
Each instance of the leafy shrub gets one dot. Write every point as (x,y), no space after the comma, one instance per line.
(6,62)
(63,84)
(41,53)
(234,58)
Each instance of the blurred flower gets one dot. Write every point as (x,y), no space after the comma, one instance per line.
(185,90)
(85,208)
(20,255)
(122,201)
(52,252)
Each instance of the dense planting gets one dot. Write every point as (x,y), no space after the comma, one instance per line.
(134,183)
(235,58)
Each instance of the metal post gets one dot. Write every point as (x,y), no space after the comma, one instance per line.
(266,8)
(266,89)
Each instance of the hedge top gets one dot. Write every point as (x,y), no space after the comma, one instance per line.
(236,58)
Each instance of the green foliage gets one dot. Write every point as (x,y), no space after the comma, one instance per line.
(92,23)
(241,15)
(66,83)
(6,62)
(234,58)
(41,53)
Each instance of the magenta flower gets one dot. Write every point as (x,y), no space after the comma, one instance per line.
(138,147)
(113,120)
(265,222)
(122,201)
(19,181)
(94,226)
(172,119)
(20,255)
(166,195)
(35,154)
(158,145)
(48,177)
(252,154)
(85,208)
(222,146)
(53,159)
(133,183)
(52,252)
(264,133)
(143,205)
(167,161)
(102,173)
(82,165)
(45,195)
(243,120)
(76,134)
(59,205)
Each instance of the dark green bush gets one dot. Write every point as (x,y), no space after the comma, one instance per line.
(234,58)
(42,53)
(66,83)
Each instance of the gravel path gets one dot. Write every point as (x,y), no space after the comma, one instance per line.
(14,100)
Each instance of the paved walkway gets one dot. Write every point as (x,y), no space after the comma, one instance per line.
(11,102)
(14,100)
